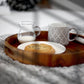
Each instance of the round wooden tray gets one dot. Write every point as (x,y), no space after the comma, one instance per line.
(73,55)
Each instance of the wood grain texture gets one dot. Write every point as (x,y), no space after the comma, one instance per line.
(73,55)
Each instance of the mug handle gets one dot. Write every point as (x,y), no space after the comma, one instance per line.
(37,30)
(75,36)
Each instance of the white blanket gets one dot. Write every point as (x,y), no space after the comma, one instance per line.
(13,72)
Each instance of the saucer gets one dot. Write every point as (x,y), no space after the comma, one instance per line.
(59,48)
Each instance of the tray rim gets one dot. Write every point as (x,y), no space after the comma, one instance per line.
(54,55)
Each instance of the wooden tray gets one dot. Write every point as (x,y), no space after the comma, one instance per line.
(73,55)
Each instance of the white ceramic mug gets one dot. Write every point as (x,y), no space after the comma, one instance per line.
(59,32)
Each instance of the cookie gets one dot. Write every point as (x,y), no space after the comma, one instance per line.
(40,48)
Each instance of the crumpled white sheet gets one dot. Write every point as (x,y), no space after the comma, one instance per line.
(13,72)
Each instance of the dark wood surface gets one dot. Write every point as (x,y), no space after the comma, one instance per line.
(44,4)
(73,55)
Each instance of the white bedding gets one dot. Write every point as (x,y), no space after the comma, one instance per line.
(13,72)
